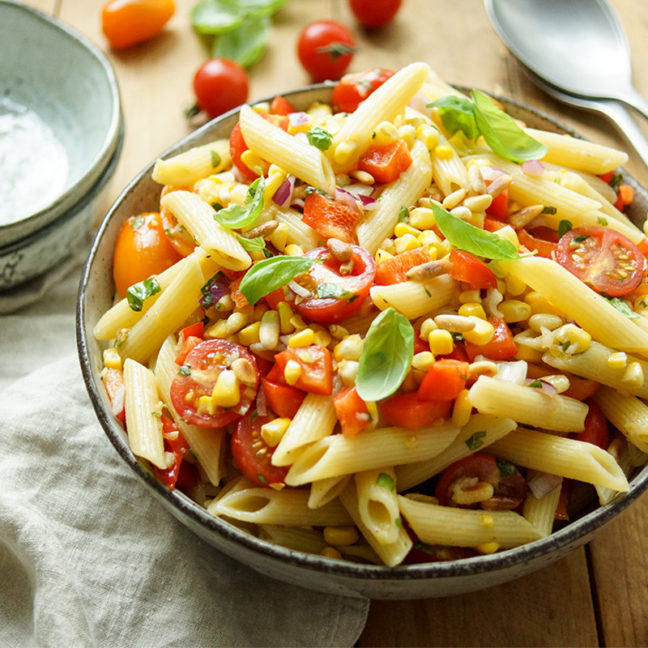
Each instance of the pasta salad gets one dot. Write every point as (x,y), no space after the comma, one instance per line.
(402,327)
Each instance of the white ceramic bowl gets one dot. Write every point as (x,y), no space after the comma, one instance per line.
(60,123)
(310,571)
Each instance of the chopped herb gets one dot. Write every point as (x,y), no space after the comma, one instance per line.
(457,337)
(216,206)
(398,521)
(254,415)
(156,414)
(267,254)
(262,478)
(208,298)
(580,238)
(319,138)
(424,546)
(563,227)
(215,158)
(334,290)
(137,222)
(564,345)
(168,231)
(385,481)
(138,293)
(602,221)
(616,180)
(427,292)
(185,370)
(643,303)
(506,467)
(373,135)
(309,190)
(536,383)
(476,440)
(403,214)
(548,209)
(622,306)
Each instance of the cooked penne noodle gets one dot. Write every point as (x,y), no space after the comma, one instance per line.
(541,511)
(627,413)
(378,504)
(325,490)
(186,168)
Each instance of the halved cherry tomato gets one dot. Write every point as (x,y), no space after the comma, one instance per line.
(596,427)
(501,346)
(466,267)
(325,49)
(394,270)
(374,13)
(275,297)
(178,236)
(128,22)
(174,443)
(252,454)
(113,380)
(220,85)
(444,380)
(411,412)
(605,260)
(499,207)
(625,197)
(509,489)
(543,247)
(385,162)
(142,250)
(316,368)
(348,290)
(206,361)
(353,89)
(332,218)
(283,400)
(281,106)
(351,411)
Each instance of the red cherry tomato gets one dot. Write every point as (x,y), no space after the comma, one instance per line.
(509,485)
(394,270)
(468,268)
(605,260)
(411,412)
(206,361)
(374,13)
(347,291)
(174,443)
(220,85)
(283,400)
(444,380)
(386,162)
(142,250)
(501,346)
(325,49)
(352,89)
(351,411)
(332,218)
(128,22)
(281,106)
(316,368)
(499,207)
(596,427)
(252,454)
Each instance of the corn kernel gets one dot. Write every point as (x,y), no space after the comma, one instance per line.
(443,152)
(482,333)
(273,183)
(236,321)
(514,310)
(331,552)
(344,151)
(292,372)
(487,547)
(468,296)
(539,303)
(273,431)
(382,255)
(249,334)
(633,376)
(429,237)
(292,249)
(338,331)
(112,359)
(406,242)
(322,337)
(341,536)
(472,309)
(528,354)
(297,322)
(348,370)
(427,326)
(253,162)
(423,218)
(263,107)
(617,360)
(423,360)
(226,391)
(461,409)
(428,135)
(487,520)
(269,330)
(440,341)
(572,339)
(349,348)
(403,228)
(302,338)
(545,320)
(407,133)
(385,133)
(514,285)
(218,329)
(509,234)
(285,313)
(205,405)
(279,238)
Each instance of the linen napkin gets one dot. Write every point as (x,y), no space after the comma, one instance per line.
(87,556)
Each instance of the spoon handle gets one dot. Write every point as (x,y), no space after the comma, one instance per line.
(635,100)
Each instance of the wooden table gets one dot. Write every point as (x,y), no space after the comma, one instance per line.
(596,596)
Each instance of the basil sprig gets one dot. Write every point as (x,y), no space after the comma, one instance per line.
(237,216)
(319,138)
(465,236)
(623,307)
(386,357)
(268,275)
(255,244)
(138,293)
(457,115)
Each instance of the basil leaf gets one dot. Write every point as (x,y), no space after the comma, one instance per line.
(386,481)
(261,7)
(246,44)
(138,293)
(465,236)
(268,275)
(386,357)
(502,134)
(215,158)
(216,16)
(622,306)
(237,216)
(506,467)
(252,245)
(476,440)
(333,290)
(563,227)
(319,138)
(457,115)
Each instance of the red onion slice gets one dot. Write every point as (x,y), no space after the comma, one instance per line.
(542,385)
(532,168)
(511,371)
(284,193)
(219,288)
(298,118)
(491,173)
(299,290)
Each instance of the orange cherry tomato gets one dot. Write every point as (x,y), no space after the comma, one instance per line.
(128,22)
(142,250)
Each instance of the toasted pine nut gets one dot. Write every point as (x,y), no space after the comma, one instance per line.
(476,180)
(339,249)
(478,203)
(453,199)
(428,270)
(481,368)
(263,230)
(498,185)
(461,212)
(244,371)
(455,323)
(524,216)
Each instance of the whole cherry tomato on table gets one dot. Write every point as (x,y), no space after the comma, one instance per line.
(325,49)
(355,88)
(220,85)
(128,22)
(374,13)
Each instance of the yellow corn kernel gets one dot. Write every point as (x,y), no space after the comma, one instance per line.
(342,536)
(539,303)
(344,151)
(404,228)
(385,133)
(514,310)
(249,334)
(302,338)
(322,337)
(528,354)
(349,348)
(236,321)
(469,296)
(292,372)
(509,234)
(428,135)
(406,242)
(319,110)
(285,313)
(617,360)
(443,152)
(429,237)
(461,409)
(274,181)
(440,341)
(338,332)
(218,329)
(297,322)
(382,255)
(487,547)
(633,375)
(423,218)
(427,326)
(253,162)
(407,132)
(348,370)
(487,520)
(501,285)
(273,431)
(112,359)
(423,360)
(545,320)
(482,333)
(331,552)
(269,330)
(514,285)
(205,405)
(472,309)
(279,238)
(292,249)
(226,392)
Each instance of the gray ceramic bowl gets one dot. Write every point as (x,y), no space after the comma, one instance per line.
(312,572)
(60,120)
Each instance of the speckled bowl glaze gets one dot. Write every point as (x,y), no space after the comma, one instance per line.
(66,81)
(311,571)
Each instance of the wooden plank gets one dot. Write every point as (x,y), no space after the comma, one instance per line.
(549,608)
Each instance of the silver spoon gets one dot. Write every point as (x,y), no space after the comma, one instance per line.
(578,46)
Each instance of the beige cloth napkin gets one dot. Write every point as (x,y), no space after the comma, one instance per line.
(87,556)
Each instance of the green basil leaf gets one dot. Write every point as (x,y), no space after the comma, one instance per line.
(333,290)
(386,481)
(563,227)
(457,115)
(502,134)
(261,7)
(465,236)
(268,275)
(622,306)
(319,137)
(506,467)
(386,357)
(216,16)
(615,181)
(246,43)
(237,216)
(138,293)
(252,245)
(476,440)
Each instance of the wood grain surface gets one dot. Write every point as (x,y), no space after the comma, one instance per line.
(596,596)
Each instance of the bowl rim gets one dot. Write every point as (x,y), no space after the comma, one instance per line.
(16,230)
(574,533)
